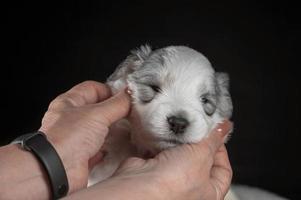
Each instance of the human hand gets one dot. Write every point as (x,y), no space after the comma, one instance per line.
(77,122)
(190,171)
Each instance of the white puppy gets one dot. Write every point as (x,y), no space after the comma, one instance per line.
(177,97)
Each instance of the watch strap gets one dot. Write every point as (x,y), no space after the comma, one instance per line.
(38,144)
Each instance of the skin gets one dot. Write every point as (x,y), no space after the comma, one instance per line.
(77,123)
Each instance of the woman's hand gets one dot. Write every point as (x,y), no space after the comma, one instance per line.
(190,171)
(77,122)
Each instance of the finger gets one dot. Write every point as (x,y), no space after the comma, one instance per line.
(96,159)
(221,172)
(130,165)
(216,138)
(113,108)
(221,156)
(91,92)
(87,92)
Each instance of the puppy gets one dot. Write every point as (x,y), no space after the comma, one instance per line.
(177,98)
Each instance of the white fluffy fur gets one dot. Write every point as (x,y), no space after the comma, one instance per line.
(183,75)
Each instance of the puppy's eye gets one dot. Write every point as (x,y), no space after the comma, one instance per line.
(208,105)
(147,92)
(205,100)
(155,88)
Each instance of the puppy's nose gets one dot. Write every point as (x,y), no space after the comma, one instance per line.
(177,124)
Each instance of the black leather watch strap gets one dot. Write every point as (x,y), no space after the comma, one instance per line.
(46,154)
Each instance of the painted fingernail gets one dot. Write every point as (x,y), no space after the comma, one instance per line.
(224,128)
(128,91)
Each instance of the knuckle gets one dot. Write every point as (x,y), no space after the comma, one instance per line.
(89,84)
(63,100)
(229,175)
(58,102)
(50,117)
(55,104)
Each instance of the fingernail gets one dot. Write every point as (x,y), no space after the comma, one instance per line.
(128,91)
(224,128)
(125,93)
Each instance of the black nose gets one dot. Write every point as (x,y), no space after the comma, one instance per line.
(177,124)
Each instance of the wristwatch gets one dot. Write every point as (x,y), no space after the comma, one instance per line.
(43,150)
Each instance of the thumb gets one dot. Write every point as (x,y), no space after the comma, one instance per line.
(217,137)
(114,108)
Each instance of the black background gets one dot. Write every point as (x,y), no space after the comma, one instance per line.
(51,47)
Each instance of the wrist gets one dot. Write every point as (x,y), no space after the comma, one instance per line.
(73,157)
(34,172)
(74,164)
(24,176)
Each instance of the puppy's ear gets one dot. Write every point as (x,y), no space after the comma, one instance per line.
(224,102)
(117,80)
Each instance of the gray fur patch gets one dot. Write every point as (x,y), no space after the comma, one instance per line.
(224,102)
(209,103)
(131,63)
